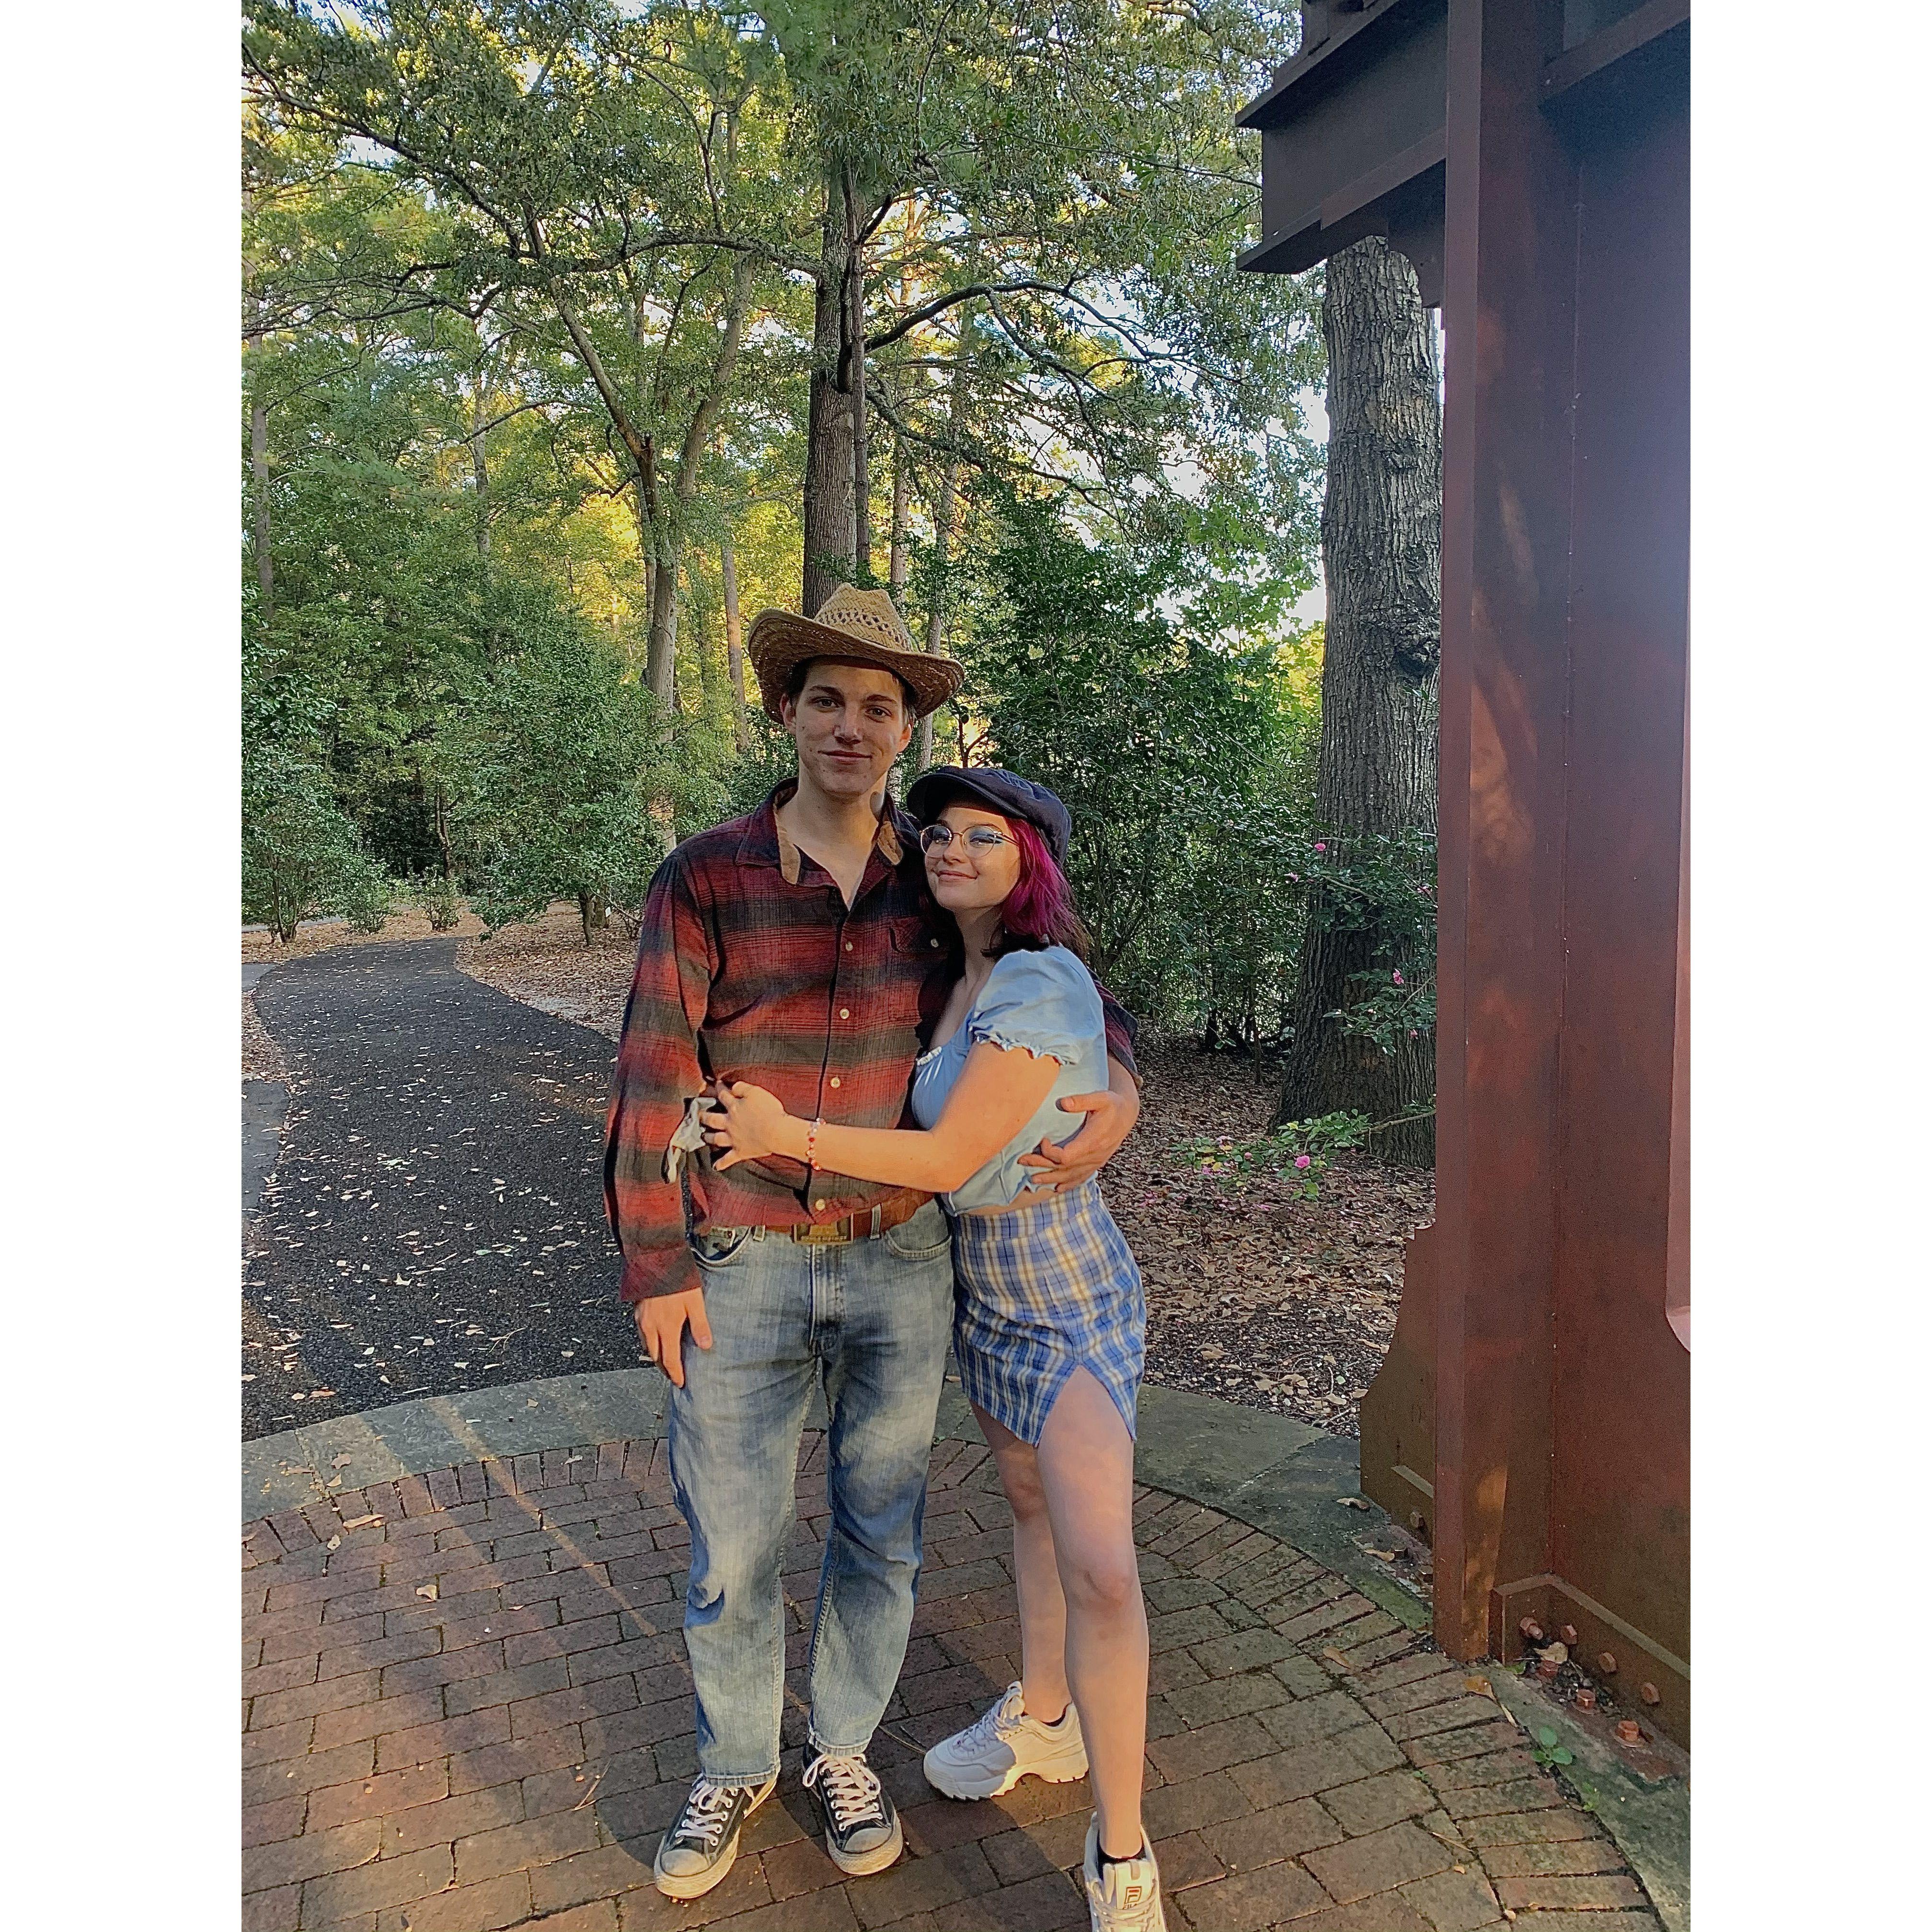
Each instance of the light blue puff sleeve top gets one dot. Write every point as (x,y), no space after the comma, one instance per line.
(1046,1002)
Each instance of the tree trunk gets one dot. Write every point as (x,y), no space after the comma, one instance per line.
(1382,555)
(830,536)
(734,643)
(896,562)
(935,618)
(480,470)
(660,607)
(712,701)
(663,657)
(258,466)
(855,350)
(660,661)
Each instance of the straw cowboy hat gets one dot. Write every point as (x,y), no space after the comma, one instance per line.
(860,625)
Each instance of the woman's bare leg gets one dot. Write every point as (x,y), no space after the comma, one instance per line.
(1085,1464)
(1036,1574)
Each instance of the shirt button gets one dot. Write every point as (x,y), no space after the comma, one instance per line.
(848,945)
(845,1012)
(934,943)
(835,1080)
(818,1206)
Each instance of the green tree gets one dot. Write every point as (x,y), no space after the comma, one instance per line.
(1027,260)
(302,855)
(607,186)
(1180,750)
(557,762)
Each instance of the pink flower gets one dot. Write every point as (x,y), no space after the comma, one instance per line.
(1301,1160)
(1321,845)
(1397,977)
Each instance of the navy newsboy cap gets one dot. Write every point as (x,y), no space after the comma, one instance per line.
(998,790)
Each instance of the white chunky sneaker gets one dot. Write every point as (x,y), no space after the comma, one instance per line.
(1124,1895)
(992,1754)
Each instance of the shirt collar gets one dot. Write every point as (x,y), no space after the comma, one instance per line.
(765,842)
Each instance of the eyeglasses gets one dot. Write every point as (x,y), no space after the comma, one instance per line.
(979,839)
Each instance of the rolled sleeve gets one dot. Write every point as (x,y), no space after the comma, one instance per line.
(658,1069)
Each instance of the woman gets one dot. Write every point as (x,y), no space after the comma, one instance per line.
(1050,1321)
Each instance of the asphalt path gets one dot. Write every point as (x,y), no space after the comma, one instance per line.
(434,1222)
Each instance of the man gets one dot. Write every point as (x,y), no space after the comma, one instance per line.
(798,947)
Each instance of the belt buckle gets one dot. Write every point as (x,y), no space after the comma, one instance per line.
(822,1234)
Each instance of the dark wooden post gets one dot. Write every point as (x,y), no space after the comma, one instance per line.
(1533,1416)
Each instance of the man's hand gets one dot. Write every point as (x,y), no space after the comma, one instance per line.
(1110,1119)
(661,1324)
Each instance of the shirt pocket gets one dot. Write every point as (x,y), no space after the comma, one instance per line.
(915,953)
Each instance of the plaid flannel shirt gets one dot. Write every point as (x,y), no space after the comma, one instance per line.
(750,967)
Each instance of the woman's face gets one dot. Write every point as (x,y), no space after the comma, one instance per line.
(964,881)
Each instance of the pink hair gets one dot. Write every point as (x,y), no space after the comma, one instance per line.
(1038,910)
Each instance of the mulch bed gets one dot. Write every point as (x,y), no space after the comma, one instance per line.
(261,948)
(1254,1294)
(261,1058)
(545,964)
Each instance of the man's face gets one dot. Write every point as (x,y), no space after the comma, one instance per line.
(849,722)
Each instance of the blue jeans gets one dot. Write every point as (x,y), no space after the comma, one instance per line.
(872,1317)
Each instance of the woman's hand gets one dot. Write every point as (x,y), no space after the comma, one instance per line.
(751,1122)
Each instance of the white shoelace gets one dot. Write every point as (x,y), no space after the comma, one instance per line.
(1005,1716)
(851,1789)
(706,1812)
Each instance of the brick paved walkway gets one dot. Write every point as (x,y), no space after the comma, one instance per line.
(467,1707)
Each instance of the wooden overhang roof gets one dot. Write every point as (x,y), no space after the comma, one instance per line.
(1353,128)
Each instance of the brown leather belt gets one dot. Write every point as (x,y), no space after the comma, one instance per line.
(867,1225)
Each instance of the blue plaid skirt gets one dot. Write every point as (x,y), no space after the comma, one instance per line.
(1038,1292)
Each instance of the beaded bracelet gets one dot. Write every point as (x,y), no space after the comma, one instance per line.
(811,1142)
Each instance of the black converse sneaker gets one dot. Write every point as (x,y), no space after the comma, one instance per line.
(862,1831)
(700,1848)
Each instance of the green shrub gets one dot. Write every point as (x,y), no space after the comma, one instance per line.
(566,777)
(301,855)
(1299,1151)
(434,891)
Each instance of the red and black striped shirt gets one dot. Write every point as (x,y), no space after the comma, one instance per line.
(751,967)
